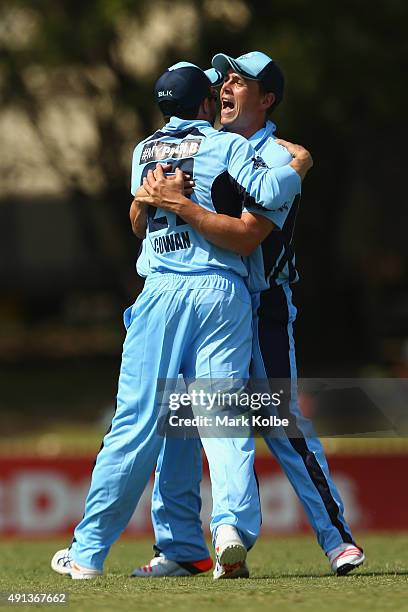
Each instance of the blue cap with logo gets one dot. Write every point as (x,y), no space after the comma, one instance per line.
(185,84)
(255,66)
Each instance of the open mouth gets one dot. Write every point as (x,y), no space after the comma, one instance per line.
(227,104)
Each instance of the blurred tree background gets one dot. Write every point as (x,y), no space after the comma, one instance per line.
(76,83)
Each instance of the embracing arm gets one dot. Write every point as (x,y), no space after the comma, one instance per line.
(138,214)
(241,236)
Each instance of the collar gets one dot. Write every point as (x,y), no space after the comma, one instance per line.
(267,131)
(176,124)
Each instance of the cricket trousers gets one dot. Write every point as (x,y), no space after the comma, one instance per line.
(176,506)
(200,325)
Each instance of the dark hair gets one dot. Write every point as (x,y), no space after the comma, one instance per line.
(172,110)
(263,92)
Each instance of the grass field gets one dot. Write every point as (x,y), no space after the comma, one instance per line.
(287,574)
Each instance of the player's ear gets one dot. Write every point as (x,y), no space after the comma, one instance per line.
(204,109)
(268,99)
(205,106)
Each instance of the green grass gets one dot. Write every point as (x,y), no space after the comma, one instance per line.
(287,574)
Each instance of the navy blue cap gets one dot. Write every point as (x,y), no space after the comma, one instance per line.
(256,66)
(185,84)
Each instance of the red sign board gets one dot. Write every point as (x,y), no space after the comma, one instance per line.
(45,497)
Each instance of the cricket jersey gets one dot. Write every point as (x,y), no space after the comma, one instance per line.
(273,262)
(228,176)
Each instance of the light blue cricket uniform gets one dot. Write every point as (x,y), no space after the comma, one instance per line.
(194,317)
(176,499)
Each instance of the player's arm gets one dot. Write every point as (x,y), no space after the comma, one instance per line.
(138,210)
(273,189)
(138,214)
(241,236)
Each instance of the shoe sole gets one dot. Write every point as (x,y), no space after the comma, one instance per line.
(81,576)
(349,567)
(241,572)
(232,554)
(79,573)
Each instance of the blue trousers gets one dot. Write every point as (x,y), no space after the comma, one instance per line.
(199,325)
(176,509)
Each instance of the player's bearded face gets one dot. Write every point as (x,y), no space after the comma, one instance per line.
(240,101)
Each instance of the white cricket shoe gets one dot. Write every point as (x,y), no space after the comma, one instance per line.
(63,563)
(344,558)
(230,553)
(161,567)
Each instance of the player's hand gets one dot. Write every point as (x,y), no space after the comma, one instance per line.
(141,191)
(302,160)
(156,183)
(188,183)
(163,192)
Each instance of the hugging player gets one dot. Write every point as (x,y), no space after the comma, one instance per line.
(252,87)
(174,326)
